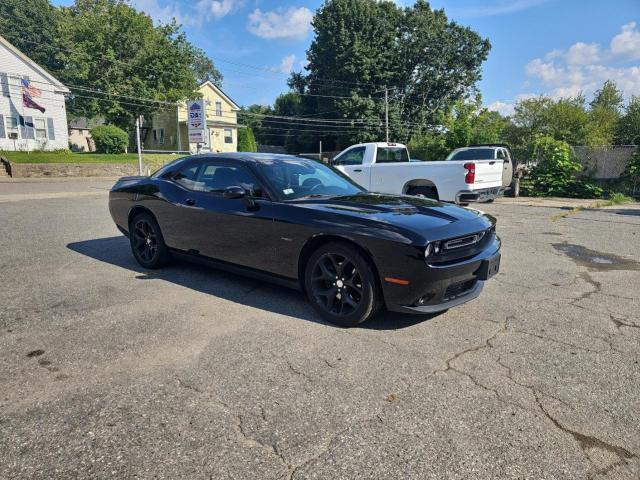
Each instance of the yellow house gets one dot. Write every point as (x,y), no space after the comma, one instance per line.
(168,128)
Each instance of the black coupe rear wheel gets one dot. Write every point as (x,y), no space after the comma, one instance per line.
(147,243)
(341,285)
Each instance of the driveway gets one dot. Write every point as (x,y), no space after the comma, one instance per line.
(109,370)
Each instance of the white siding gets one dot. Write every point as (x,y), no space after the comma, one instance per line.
(51,100)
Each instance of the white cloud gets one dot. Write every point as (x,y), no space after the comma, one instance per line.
(290,23)
(286,64)
(507,108)
(165,13)
(627,42)
(217,9)
(583,53)
(584,67)
(503,108)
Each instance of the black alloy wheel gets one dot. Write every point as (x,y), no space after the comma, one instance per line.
(147,243)
(341,285)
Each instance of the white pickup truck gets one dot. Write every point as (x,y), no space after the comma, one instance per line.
(387,168)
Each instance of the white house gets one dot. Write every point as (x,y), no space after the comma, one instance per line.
(32,104)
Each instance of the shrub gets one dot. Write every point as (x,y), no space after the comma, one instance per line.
(556,172)
(110,139)
(246,140)
(632,172)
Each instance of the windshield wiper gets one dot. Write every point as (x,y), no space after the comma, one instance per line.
(314,195)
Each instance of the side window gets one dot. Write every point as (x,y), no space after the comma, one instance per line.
(355,156)
(216,177)
(501,155)
(187,176)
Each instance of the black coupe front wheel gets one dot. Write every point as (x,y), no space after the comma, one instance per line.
(147,243)
(341,285)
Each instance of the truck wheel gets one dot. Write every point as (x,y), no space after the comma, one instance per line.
(427,192)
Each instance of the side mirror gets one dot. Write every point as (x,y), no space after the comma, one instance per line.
(234,192)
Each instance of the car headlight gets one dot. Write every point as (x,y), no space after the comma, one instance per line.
(432,248)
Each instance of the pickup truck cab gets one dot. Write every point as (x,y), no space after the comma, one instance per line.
(387,168)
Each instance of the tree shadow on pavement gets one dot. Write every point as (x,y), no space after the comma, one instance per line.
(236,288)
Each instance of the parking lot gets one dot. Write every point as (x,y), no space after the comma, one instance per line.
(109,370)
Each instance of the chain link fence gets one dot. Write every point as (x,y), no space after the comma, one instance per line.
(606,162)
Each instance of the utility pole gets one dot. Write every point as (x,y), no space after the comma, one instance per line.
(386,112)
(178,127)
(139,147)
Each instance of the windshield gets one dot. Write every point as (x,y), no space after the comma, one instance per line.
(294,178)
(473,154)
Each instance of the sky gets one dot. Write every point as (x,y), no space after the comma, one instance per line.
(553,47)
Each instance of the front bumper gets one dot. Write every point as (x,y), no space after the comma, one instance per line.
(467,196)
(441,307)
(438,287)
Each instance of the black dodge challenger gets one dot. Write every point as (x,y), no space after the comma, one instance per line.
(303,224)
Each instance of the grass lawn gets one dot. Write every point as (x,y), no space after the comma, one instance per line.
(54,157)
(151,159)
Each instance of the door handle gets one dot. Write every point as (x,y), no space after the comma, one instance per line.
(190,202)
(358,170)
(493,162)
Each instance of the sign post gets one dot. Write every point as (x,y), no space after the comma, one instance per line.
(196,122)
(138,124)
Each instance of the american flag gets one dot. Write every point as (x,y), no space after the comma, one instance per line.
(28,102)
(30,89)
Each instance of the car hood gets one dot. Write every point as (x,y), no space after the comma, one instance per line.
(427,219)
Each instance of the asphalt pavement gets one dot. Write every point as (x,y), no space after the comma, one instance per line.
(112,371)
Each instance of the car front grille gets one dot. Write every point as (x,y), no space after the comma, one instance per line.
(461,242)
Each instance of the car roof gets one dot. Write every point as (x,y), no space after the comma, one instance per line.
(244,156)
(478,147)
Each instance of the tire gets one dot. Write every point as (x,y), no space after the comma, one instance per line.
(428,192)
(345,304)
(147,242)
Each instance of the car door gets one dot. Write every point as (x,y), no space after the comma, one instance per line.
(350,162)
(507,167)
(235,230)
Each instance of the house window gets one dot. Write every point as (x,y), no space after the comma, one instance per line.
(155,136)
(40,125)
(162,136)
(228,135)
(11,124)
(218,109)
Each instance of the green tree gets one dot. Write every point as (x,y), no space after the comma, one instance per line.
(608,97)
(246,140)
(425,61)
(604,115)
(32,27)
(116,49)
(567,120)
(628,128)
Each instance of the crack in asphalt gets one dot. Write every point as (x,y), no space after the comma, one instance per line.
(584,441)
(587,442)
